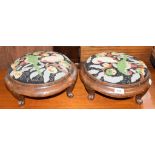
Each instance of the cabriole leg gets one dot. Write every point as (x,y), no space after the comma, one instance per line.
(69,91)
(139,99)
(91,93)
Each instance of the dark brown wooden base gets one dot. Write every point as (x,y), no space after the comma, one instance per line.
(91,84)
(22,90)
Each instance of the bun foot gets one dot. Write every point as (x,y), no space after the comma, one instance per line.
(70,94)
(139,99)
(91,93)
(91,96)
(21,102)
(20,98)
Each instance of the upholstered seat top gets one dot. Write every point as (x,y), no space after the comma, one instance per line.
(40,67)
(116,68)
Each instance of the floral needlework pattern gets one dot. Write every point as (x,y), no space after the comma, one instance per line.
(117,68)
(40,67)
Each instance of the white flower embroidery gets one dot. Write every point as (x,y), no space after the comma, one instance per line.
(59,76)
(96,66)
(46,76)
(93,71)
(135,77)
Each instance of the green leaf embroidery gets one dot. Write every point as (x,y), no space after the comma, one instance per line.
(32,59)
(122,65)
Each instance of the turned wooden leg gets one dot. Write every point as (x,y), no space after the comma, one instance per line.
(139,98)
(91,93)
(69,91)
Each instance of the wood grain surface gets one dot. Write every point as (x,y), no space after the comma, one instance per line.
(72,52)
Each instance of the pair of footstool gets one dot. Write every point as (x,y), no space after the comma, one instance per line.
(46,73)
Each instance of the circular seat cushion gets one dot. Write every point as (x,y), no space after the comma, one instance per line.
(116,68)
(40,67)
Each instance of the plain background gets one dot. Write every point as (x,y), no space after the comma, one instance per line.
(81,22)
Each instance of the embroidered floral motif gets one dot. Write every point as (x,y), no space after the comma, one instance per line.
(40,67)
(114,67)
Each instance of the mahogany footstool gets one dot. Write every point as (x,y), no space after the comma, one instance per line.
(41,74)
(116,75)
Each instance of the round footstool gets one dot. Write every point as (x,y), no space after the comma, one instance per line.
(41,74)
(116,75)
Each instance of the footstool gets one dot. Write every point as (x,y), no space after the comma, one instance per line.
(41,74)
(116,75)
